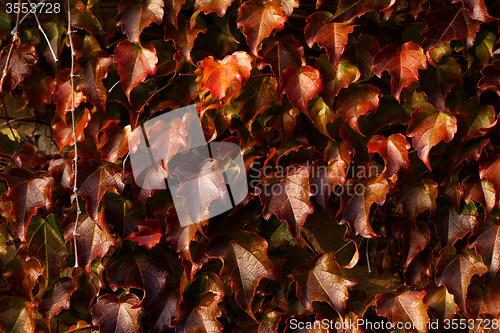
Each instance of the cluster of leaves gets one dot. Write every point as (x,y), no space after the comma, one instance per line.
(403,92)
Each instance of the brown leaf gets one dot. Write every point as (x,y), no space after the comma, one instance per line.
(56,299)
(22,63)
(114,314)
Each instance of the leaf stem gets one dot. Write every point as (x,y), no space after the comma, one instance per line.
(75,158)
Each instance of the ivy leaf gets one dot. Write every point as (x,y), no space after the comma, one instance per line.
(137,268)
(454,270)
(22,276)
(61,170)
(199,187)
(245,261)
(404,306)
(162,310)
(333,80)
(355,101)
(259,20)
(428,127)
(446,23)
(483,301)
(269,322)
(149,233)
(481,191)
(452,226)
(489,169)
(331,36)
(121,214)
(202,317)
(347,10)
(22,63)
(257,95)
(491,76)
(477,10)
(172,8)
(285,120)
(438,81)
(27,192)
(92,85)
(474,118)
(323,281)
(16,316)
(63,95)
(218,75)
(280,53)
(212,6)
(487,243)
(394,151)
(360,53)
(324,178)
(39,91)
(300,85)
(415,238)
(358,207)
(180,236)
(92,240)
(114,142)
(440,301)
(183,35)
(402,65)
(321,115)
(63,129)
(418,197)
(135,18)
(56,299)
(135,62)
(45,242)
(287,196)
(114,314)
(94,179)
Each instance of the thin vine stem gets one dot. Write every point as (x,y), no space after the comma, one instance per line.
(75,158)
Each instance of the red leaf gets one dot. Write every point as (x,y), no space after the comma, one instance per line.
(61,169)
(134,64)
(137,268)
(259,20)
(446,23)
(323,281)
(358,206)
(285,120)
(487,243)
(245,261)
(477,10)
(57,299)
(92,85)
(454,270)
(333,80)
(481,191)
(114,314)
(415,238)
(402,65)
(63,95)
(474,118)
(120,213)
(286,194)
(94,180)
(489,169)
(163,309)
(22,63)
(280,53)
(483,301)
(300,85)
(331,36)
(440,301)
(324,178)
(22,276)
(184,35)
(28,192)
(355,101)
(438,81)
(29,157)
(269,322)
(149,233)
(218,75)
(394,151)
(200,318)
(114,142)
(418,197)
(212,6)
(428,127)
(321,115)
(491,76)
(348,9)
(135,18)
(420,267)
(172,8)
(92,240)
(361,52)
(16,316)
(39,91)
(63,129)
(452,226)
